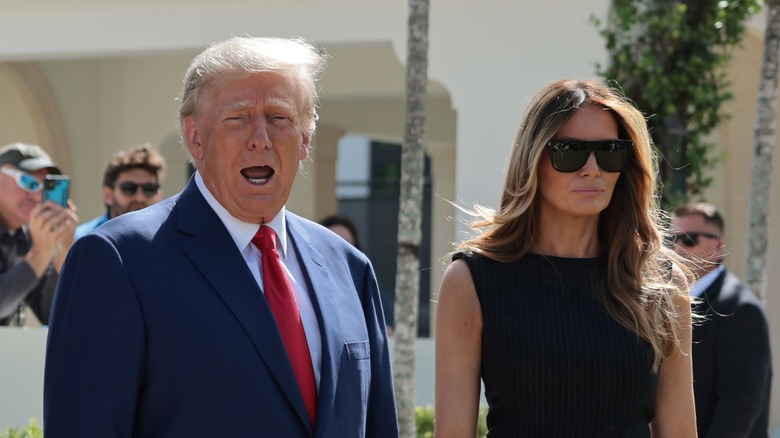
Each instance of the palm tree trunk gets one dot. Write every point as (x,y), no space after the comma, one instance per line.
(407,289)
(761,175)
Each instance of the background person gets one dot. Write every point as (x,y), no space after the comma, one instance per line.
(179,320)
(346,229)
(131,182)
(343,226)
(732,361)
(34,237)
(566,304)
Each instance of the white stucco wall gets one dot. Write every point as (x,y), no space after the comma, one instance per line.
(114,69)
(492,60)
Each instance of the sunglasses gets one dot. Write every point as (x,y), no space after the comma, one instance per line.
(691,239)
(571,155)
(24,180)
(129,188)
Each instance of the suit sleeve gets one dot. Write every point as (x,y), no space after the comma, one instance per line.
(744,370)
(95,347)
(382,420)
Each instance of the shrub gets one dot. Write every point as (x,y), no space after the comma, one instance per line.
(33,430)
(424,421)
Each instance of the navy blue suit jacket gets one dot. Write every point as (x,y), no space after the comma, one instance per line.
(160,330)
(732,369)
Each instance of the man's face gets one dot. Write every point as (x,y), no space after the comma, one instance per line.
(699,241)
(15,202)
(134,189)
(247,141)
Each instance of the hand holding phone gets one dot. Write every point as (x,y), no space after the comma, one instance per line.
(56,188)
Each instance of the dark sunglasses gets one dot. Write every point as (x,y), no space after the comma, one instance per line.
(691,239)
(571,155)
(129,188)
(24,180)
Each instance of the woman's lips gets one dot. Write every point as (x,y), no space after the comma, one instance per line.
(589,191)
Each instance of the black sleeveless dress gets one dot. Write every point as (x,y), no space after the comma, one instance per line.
(554,363)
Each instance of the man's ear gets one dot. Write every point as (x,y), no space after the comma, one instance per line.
(721,250)
(108,195)
(191,136)
(305,146)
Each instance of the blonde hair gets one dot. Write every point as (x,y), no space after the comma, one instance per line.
(293,57)
(638,282)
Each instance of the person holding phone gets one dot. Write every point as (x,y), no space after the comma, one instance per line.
(35,236)
(566,303)
(131,182)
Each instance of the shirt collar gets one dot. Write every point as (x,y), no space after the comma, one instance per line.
(19,233)
(243,232)
(706,281)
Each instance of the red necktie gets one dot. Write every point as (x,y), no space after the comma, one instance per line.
(280,298)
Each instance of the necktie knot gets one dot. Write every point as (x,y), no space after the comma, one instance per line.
(265,238)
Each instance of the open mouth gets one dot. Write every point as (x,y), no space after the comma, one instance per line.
(258,175)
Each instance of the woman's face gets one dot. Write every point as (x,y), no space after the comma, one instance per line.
(587,191)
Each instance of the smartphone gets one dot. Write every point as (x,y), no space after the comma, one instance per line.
(56,188)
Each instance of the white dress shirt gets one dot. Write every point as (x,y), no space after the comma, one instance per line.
(242,234)
(705,281)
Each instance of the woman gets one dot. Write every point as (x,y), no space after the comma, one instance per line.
(567,304)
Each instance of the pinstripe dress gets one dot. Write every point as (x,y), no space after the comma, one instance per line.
(554,363)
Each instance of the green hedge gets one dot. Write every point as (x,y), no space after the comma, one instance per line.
(424,425)
(33,430)
(424,421)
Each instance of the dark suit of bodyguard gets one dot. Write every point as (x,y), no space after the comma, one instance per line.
(160,327)
(732,364)
(731,361)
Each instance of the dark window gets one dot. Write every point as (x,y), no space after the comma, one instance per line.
(376,217)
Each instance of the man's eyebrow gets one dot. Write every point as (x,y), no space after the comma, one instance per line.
(234,106)
(281,104)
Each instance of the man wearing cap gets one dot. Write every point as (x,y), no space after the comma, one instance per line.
(34,237)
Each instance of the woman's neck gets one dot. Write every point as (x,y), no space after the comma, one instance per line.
(572,237)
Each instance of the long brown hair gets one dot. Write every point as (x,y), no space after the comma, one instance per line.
(638,281)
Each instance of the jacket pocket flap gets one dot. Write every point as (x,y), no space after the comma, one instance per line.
(357,350)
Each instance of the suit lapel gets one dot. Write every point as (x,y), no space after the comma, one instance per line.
(211,249)
(325,306)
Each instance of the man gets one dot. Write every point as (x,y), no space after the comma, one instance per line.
(34,237)
(131,182)
(731,355)
(179,321)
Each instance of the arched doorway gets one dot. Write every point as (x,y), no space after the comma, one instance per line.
(29,112)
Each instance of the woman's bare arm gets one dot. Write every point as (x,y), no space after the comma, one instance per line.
(458,354)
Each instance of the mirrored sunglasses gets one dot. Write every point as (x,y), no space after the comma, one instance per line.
(129,188)
(24,180)
(571,155)
(691,239)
